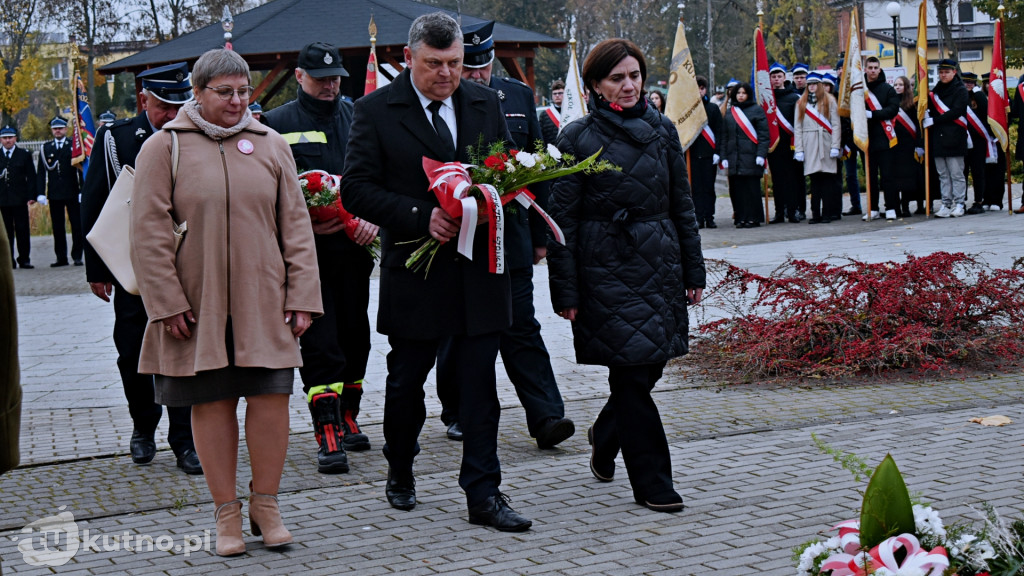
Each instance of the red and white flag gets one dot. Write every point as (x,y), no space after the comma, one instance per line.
(763,88)
(998,102)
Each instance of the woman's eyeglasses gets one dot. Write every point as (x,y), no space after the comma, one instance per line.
(226,92)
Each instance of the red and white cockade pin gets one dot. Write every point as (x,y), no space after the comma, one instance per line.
(245,146)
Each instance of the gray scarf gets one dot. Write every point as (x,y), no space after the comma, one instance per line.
(212,130)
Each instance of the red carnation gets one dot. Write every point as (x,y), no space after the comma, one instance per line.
(495,163)
(313,182)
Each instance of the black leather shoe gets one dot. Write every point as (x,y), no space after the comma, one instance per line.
(801,216)
(401,490)
(777,220)
(79,263)
(815,220)
(976,209)
(26,266)
(496,513)
(188,461)
(604,471)
(665,502)
(455,431)
(710,224)
(853,212)
(143,448)
(554,431)
(700,224)
(59,264)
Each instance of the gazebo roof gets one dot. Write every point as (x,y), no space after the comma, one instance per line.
(274,32)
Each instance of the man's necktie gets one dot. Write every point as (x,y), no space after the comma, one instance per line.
(442,129)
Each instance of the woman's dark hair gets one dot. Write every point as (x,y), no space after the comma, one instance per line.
(746,87)
(907,98)
(606,56)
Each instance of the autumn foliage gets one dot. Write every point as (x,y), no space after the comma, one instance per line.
(939,312)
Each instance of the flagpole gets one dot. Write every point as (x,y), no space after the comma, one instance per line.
(1009,162)
(767,172)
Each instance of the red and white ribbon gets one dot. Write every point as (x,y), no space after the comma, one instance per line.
(942,108)
(990,149)
(887,125)
(744,123)
(784,124)
(917,560)
(815,115)
(904,119)
(709,136)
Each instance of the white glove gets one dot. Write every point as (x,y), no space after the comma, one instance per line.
(927,122)
(760,161)
(798,156)
(715,159)
(919,152)
(976,89)
(868,113)
(41,199)
(725,164)
(833,153)
(79,198)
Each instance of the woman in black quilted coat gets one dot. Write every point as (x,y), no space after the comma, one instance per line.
(742,157)
(631,260)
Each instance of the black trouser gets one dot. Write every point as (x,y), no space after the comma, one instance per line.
(60,240)
(746,193)
(409,362)
(336,346)
(852,184)
(826,199)
(995,180)
(880,162)
(130,321)
(526,360)
(974,165)
(784,183)
(16,221)
(704,174)
(630,421)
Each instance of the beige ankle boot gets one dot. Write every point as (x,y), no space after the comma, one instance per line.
(229,528)
(265,519)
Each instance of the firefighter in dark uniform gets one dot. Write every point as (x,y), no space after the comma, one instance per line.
(336,347)
(164,90)
(787,191)
(522,349)
(60,182)
(704,167)
(17,191)
(974,162)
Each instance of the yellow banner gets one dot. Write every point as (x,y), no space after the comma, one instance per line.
(683,105)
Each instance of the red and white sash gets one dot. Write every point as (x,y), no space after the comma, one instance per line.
(709,136)
(907,122)
(961,121)
(990,143)
(815,115)
(744,123)
(887,125)
(784,124)
(554,117)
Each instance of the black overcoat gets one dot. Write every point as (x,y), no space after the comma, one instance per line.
(58,179)
(18,181)
(737,148)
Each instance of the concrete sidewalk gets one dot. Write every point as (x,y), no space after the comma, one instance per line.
(754,483)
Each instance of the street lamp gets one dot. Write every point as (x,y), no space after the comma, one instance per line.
(893,9)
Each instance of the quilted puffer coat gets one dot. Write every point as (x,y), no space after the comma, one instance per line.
(631,241)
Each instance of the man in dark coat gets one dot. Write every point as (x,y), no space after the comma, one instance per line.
(60,182)
(550,120)
(428,112)
(704,160)
(946,128)
(523,352)
(786,172)
(883,105)
(17,191)
(974,162)
(164,90)
(336,347)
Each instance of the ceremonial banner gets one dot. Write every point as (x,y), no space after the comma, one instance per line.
(371,72)
(83,131)
(851,89)
(922,61)
(763,89)
(573,105)
(998,103)
(683,105)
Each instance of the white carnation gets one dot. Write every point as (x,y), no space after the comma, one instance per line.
(554,152)
(526,159)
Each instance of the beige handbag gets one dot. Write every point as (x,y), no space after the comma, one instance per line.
(109,235)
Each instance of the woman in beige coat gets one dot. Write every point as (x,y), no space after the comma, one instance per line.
(817,146)
(227,306)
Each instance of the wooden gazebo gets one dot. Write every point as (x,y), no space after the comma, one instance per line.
(270,36)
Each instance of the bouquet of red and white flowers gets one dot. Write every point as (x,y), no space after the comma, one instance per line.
(477,192)
(322,192)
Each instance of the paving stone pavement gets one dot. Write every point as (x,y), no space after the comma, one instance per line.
(744,459)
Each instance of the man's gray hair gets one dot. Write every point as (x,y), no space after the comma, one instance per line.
(437,30)
(218,62)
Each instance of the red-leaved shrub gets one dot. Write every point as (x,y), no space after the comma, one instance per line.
(933,313)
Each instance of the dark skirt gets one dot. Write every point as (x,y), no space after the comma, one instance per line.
(222,384)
